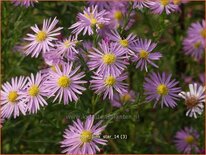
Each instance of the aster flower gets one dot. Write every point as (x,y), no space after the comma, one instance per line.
(88,20)
(119,100)
(34,93)
(143,53)
(194,100)
(117,13)
(108,84)
(123,42)
(110,58)
(160,87)
(194,48)
(11,99)
(67,47)
(197,31)
(194,42)
(159,6)
(26,3)
(65,83)
(186,140)
(43,39)
(83,138)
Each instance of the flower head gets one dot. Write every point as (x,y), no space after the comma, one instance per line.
(34,93)
(110,58)
(160,87)
(120,99)
(90,19)
(194,42)
(118,11)
(197,31)
(43,38)
(194,48)
(143,54)
(11,98)
(65,83)
(194,100)
(186,140)
(83,138)
(108,84)
(159,6)
(67,47)
(123,42)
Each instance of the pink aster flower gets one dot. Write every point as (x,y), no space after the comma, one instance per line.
(43,39)
(197,31)
(119,99)
(118,11)
(143,54)
(34,93)
(11,99)
(83,137)
(110,58)
(90,19)
(109,84)
(65,83)
(194,42)
(193,48)
(194,100)
(186,140)
(26,3)
(67,47)
(160,87)
(123,42)
(159,6)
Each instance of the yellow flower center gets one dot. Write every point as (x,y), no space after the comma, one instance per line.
(67,43)
(93,21)
(91,18)
(125,98)
(203,33)
(124,43)
(143,54)
(110,81)
(86,136)
(12,96)
(109,58)
(162,89)
(118,15)
(197,45)
(34,90)
(164,2)
(189,139)
(41,36)
(64,81)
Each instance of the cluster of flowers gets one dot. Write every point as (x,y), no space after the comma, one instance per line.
(64,81)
